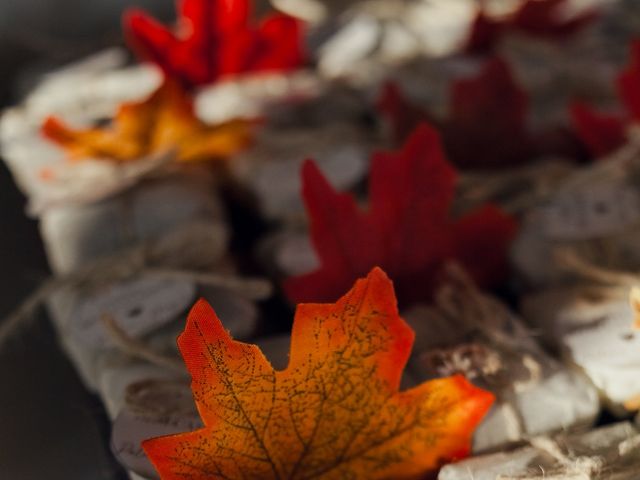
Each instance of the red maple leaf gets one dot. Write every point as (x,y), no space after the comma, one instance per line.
(603,133)
(629,83)
(408,229)
(486,125)
(539,18)
(213,39)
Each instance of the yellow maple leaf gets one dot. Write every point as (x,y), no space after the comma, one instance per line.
(334,413)
(164,121)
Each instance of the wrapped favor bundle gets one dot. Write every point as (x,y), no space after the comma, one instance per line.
(592,326)
(330,127)
(592,213)
(467,331)
(97,193)
(609,452)
(122,171)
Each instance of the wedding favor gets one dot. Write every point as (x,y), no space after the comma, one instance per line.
(606,453)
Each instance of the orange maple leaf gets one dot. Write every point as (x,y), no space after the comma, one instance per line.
(165,121)
(335,412)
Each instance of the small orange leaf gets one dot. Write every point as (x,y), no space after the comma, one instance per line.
(163,122)
(335,412)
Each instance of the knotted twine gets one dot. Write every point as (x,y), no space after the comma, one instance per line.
(191,253)
(517,190)
(576,467)
(459,303)
(613,283)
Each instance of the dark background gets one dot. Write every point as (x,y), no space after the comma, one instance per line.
(50,426)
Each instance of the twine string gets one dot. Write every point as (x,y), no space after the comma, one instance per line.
(189,253)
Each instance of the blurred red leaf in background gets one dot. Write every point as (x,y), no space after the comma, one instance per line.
(603,133)
(213,39)
(408,229)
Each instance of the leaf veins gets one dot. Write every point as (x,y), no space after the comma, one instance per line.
(334,413)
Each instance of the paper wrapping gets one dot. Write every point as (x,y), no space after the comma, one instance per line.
(94,209)
(606,453)
(592,328)
(535,394)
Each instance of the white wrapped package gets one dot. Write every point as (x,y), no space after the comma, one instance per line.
(121,373)
(272,169)
(82,94)
(593,329)
(250,96)
(606,453)
(376,35)
(481,339)
(78,233)
(152,408)
(149,308)
(90,208)
(330,128)
(123,379)
(595,213)
(288,252)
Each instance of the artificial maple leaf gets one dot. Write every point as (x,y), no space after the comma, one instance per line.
(335,412)
(540,18)
(603,133)
(213,38)
(165,121)
(407,230)
(629,83)
(486,124)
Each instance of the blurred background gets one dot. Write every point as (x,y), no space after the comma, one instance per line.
(51,426)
